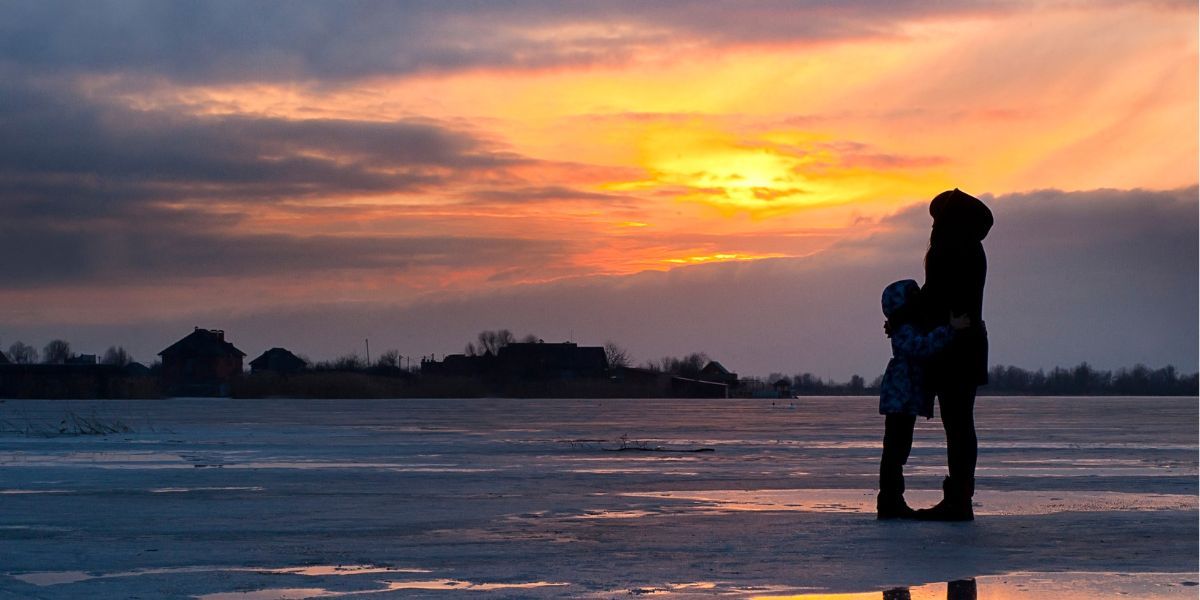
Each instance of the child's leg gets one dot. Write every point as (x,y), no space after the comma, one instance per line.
(897,444)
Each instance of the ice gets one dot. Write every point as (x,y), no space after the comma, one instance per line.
(219,498)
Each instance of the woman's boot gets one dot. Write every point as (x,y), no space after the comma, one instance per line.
(955,504)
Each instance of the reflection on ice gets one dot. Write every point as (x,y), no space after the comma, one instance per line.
(271,594)
(141,460)
(1030,586)
(228,488)
(988,502)
(454,584)
(391,586)
(326,570)
(45,578)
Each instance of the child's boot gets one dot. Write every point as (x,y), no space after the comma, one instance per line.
(890,503)
(892,506)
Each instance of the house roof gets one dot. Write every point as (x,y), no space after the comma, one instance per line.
(715,367)
(203,342)
(276,354)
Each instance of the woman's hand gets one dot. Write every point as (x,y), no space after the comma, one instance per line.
(960,322)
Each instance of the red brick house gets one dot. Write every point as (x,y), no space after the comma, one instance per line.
(201,364)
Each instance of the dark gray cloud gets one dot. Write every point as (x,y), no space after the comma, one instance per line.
(96,193)
(74,156)
(321,41)
(174,249)
(548,193)
(1106,276)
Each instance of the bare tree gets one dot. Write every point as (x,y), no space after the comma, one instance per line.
(22,353)
(346,362)
(389,359)
(616,355)
(116,355)
(687,366)
(493,341)
(56,352)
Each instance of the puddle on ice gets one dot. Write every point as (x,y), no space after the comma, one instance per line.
(179,490)
(1030,586)
(614,514)
(873,444)
(224,460)
(324,570)
(671,589)
(392,586)
(49,578)
(45,578)
(454,584)
(1070,470)
(271,594)
(863,501)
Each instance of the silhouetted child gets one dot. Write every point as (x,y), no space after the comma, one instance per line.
(903,394)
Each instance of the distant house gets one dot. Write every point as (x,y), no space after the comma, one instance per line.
(660,384)
(277,360)
(201,364)
(539,360)
(783,388)
(137,369)
(82,359)
(717,373)
(525,361)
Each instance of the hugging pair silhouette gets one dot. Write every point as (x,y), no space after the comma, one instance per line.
(939,350)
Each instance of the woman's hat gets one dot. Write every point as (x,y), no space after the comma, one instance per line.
(959,211)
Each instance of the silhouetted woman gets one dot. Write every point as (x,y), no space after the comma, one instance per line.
(955,269)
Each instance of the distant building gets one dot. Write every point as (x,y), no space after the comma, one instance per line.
(539,360)
(717,373)
(783,388)
(137,369)
(660,384)
(201,364)
(525,361)
(82,359)
(277,360)
(460,365)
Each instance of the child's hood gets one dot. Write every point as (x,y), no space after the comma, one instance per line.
(897,295)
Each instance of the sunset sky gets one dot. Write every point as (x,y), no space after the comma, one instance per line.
(740,178)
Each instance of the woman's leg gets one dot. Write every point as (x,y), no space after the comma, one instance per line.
(958,419)
(962,449)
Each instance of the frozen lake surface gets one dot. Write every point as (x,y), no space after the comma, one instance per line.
(263,499)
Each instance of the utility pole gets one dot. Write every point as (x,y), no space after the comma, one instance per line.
(368,341)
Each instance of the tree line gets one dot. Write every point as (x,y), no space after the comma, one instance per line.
(58,352)
(1080,380)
